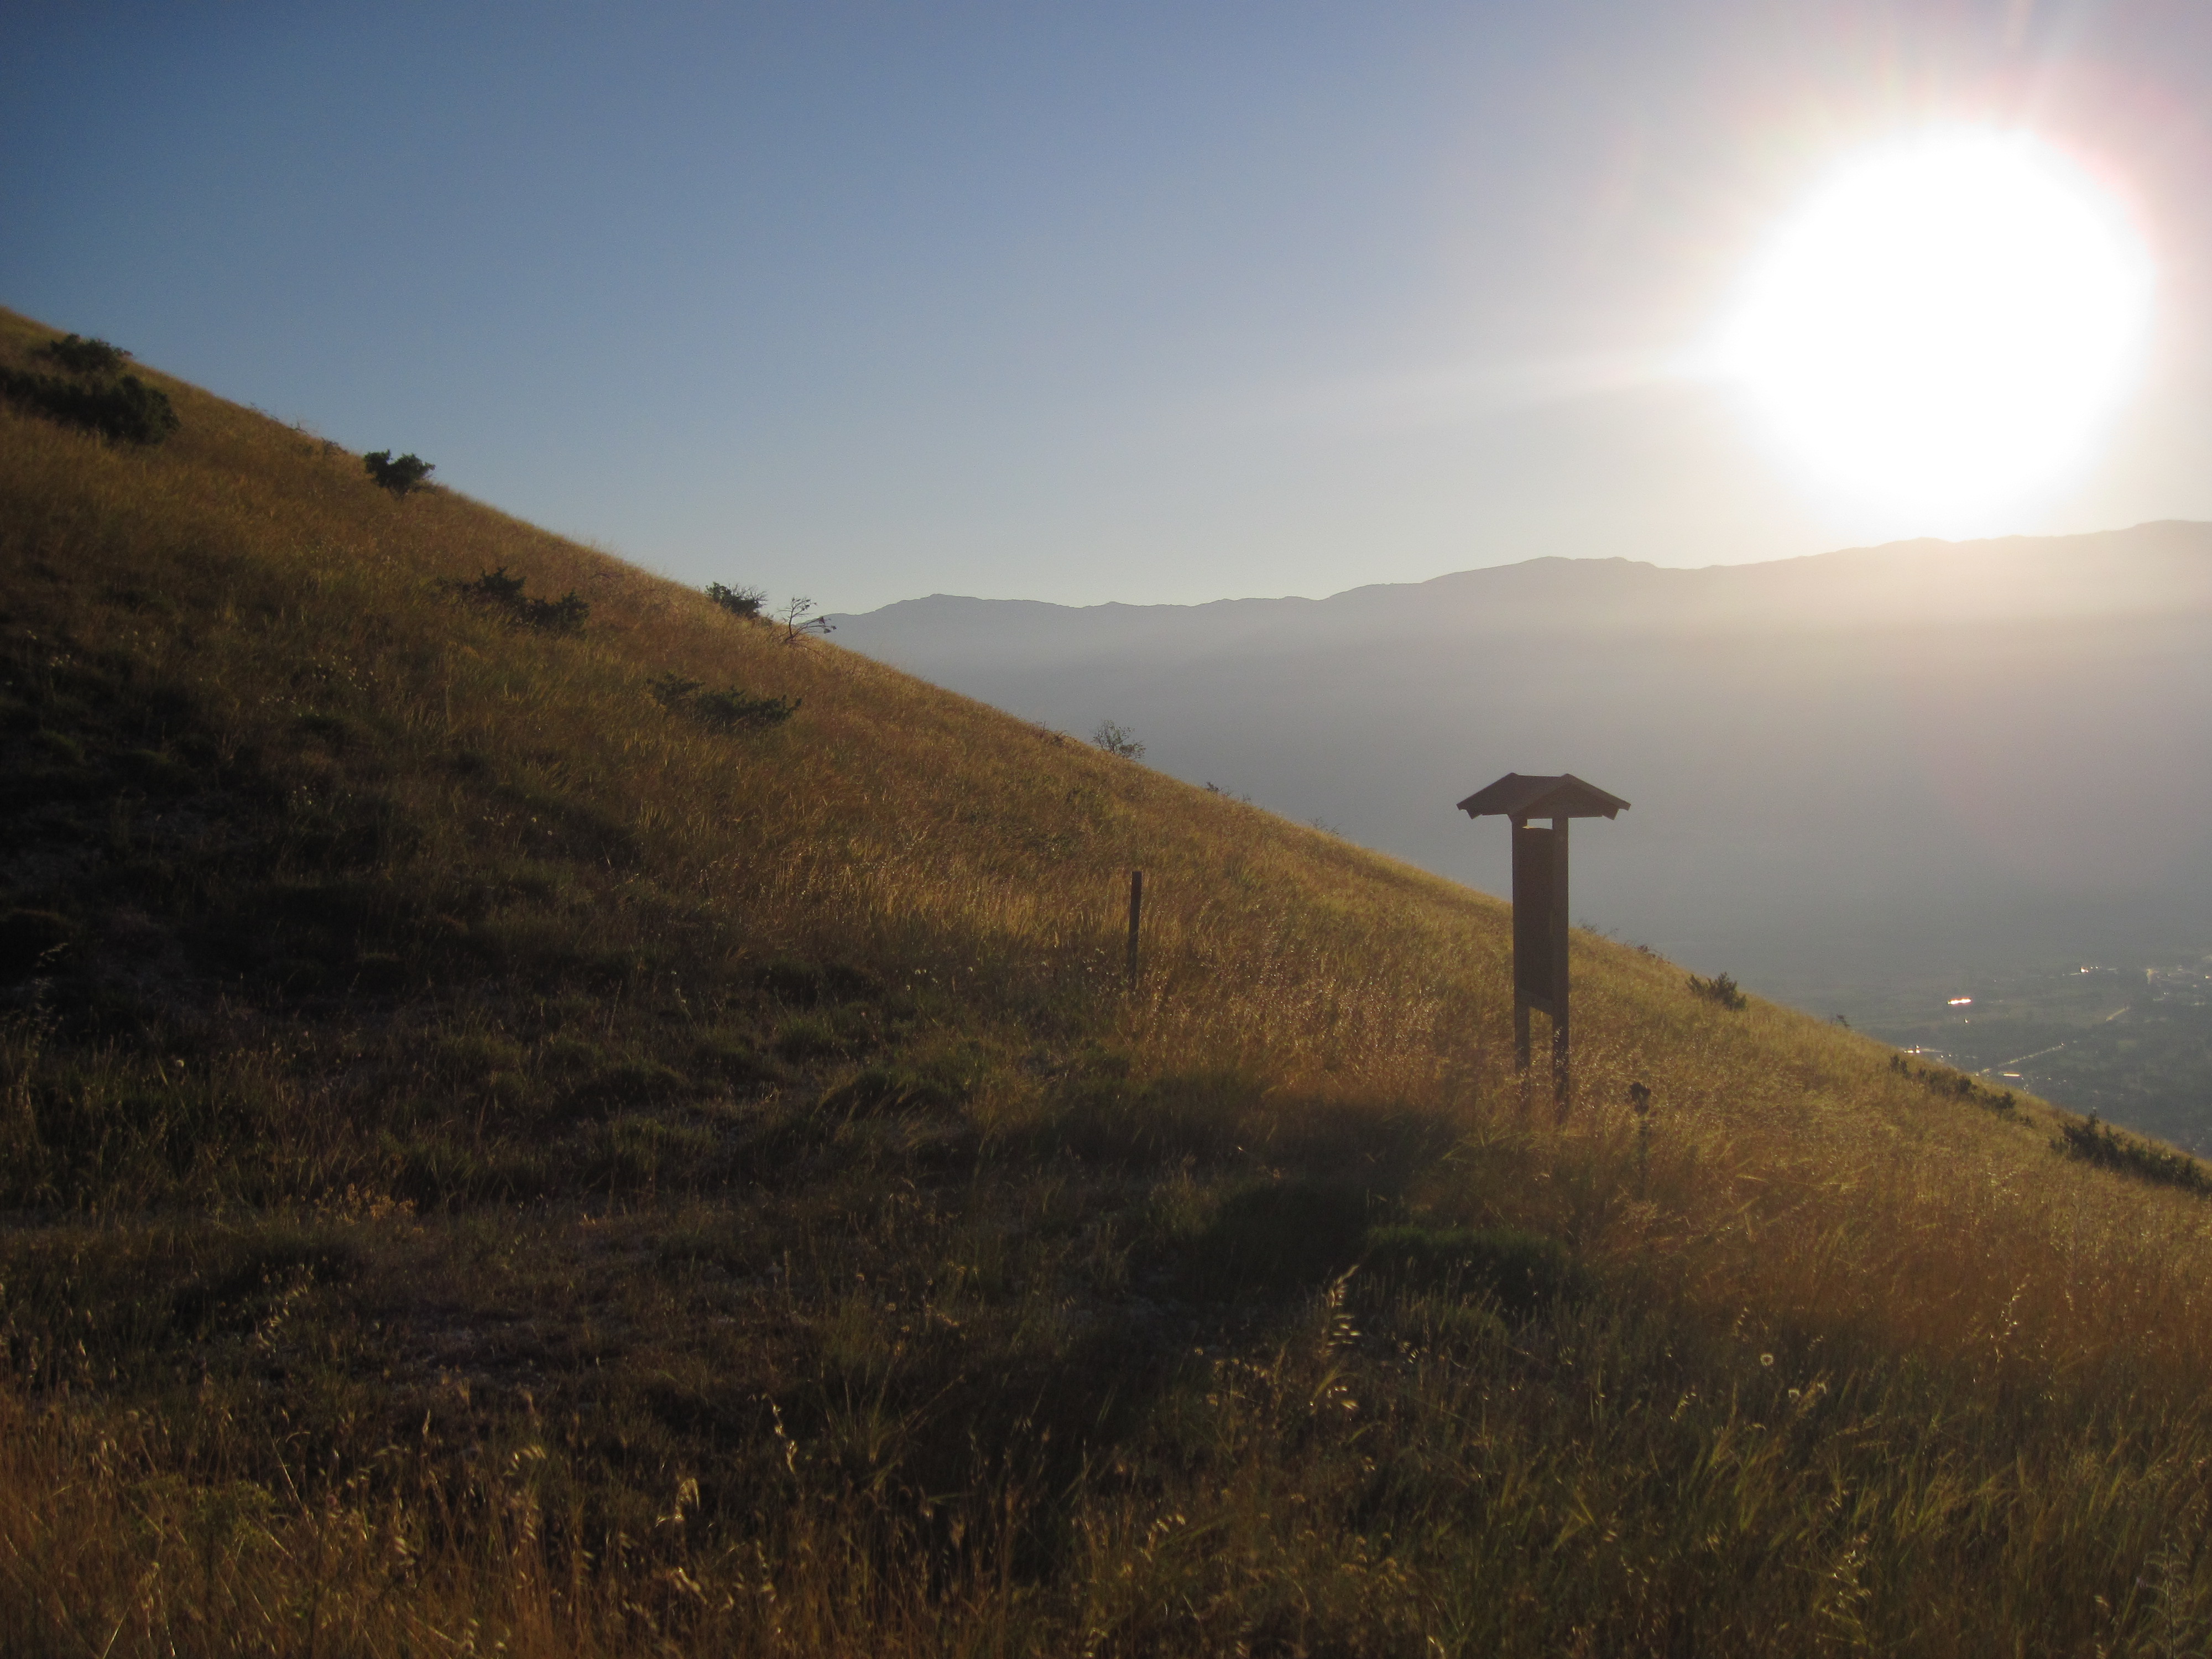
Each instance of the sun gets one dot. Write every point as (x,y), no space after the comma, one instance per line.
(1946,322)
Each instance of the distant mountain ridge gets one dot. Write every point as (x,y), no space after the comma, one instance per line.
(1926,753)
(2149,568)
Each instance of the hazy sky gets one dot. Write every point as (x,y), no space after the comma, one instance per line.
(1132,302)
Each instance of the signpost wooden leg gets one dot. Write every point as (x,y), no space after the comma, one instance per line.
(1558,921)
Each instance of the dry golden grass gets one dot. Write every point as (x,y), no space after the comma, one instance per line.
(490,1310)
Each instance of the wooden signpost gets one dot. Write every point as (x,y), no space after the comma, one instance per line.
(1540,897)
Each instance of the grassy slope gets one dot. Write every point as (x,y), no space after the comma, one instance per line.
(487,1159)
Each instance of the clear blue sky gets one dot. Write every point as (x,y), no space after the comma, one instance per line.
(1134,301)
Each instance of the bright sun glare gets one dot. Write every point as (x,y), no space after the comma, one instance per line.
(1946,324)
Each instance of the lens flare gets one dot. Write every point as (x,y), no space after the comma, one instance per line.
(1947,324)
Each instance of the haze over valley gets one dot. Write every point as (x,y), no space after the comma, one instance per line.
(1863,782)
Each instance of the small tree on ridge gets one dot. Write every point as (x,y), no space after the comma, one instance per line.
(1116,739)
(396,476)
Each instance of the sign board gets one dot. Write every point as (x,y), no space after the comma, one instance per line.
(1536,898)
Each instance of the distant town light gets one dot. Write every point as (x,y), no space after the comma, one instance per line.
(1961,1002)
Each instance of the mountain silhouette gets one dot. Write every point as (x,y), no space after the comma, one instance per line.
(1884,760)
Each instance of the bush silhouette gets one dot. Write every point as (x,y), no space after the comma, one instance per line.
(82,356)
(2096,1143)
(504,593)
(1118,740)
(1719,988)
(732,710)
(1943,1080)
(94,396)
(745,602)
(396,476)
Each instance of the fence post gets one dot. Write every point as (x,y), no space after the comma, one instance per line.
(1136,916)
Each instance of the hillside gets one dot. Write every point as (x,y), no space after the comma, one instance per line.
(506,1152)
(1853,770)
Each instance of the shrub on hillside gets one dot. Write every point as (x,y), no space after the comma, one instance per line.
(1943,1080)
(798,622)
(1117,739)
(121,407)
(503,594)
(743,602)
(2097,1143)
(1719,988)
(399,476)
(82,356)
(735,710)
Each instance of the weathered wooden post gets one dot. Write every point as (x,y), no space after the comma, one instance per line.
(1540,897)
(1136,916)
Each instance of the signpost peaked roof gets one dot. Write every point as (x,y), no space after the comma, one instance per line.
(1518,797)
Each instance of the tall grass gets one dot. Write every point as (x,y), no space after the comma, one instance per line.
(495,1163)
